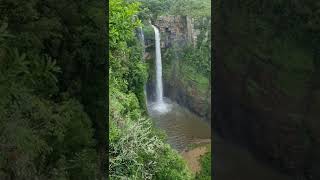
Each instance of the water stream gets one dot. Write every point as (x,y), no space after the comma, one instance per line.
(160,106)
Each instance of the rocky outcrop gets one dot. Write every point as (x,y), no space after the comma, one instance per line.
(176,29)
(266,86)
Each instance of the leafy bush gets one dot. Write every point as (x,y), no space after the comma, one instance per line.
(138,153)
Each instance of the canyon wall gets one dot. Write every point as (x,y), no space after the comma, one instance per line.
(266,80)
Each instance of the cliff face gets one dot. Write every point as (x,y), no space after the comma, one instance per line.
(176,32)
(176,29)
(266,90)
(189,97)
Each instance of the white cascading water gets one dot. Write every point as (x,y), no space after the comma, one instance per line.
(160,105)
(159,87)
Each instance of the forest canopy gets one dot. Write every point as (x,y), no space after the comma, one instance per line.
(48,52)
(193,8)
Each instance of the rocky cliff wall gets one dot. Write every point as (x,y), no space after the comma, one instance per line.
(176,29)
(266,86)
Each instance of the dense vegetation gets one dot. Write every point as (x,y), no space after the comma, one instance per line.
(49,52)
(136,149)
(151,9)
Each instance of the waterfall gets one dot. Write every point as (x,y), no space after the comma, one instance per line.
(160,105)
(159,87)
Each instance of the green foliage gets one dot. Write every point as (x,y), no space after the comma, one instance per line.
(198,58)
(122,22)
(126,71)
(148,32)
(190,64)
(48,51)
(137,75)
(151,9)
(193,8)
(136,152)
(41,138)
(171,166)
(193,79)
